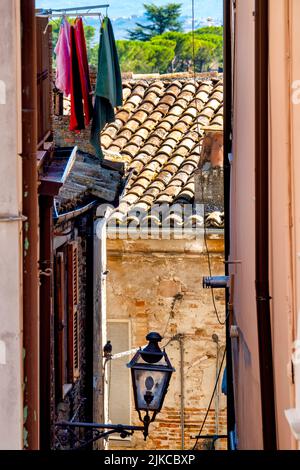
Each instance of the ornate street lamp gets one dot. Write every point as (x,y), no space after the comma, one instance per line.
(151,372)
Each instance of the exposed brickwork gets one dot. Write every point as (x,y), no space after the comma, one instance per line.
(142,284)
(62,136)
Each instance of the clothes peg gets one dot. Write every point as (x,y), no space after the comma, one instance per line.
(46,29)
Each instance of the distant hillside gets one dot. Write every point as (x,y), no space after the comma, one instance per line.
(125,13)
(122,25)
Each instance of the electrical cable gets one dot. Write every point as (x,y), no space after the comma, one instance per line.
(199,139)
(109,389)
(223,323)
(211,400)
(177,297)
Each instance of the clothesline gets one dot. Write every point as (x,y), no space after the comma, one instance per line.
(63,11)
(72,78)
(57,15)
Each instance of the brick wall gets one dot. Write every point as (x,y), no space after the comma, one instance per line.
(144,276)
(62,136)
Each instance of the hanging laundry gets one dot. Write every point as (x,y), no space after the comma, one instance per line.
(77,117)
(63,61)
(83,70)
(81,91)
(108,87)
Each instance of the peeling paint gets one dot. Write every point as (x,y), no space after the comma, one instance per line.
(34,416)
(2,92)
(24,354)
(2,352)
(26,194)
(25,438)
(26,244)
(165,294)
(25,413)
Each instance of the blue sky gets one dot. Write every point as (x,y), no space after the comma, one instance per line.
(118,8)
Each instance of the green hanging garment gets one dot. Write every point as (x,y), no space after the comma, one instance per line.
(109,85)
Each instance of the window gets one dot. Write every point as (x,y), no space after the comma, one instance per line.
(44,60)
(73,320)
(67,344)
(119,381)
(60,323)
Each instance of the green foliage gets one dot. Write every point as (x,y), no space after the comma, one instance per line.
(217,30)
(161,19)
(152,56)
(171,52)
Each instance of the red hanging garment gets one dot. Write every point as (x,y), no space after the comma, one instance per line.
(83,70)
(63,61)
(77,117)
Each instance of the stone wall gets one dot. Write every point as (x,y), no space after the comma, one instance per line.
(144,278)
(62,135)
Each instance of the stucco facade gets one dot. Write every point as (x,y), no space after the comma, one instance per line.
(11,402)
(144,278)
(284,121)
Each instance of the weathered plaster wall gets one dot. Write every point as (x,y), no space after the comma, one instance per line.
(11,360)
(144,277)
(245,349)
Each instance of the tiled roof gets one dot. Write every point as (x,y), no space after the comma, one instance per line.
(159,131)
(86,181)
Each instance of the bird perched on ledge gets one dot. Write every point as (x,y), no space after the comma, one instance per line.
(107,350)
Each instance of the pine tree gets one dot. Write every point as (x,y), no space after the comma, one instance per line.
(161,19)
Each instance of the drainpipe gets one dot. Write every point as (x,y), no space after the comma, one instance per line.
(215,339)
(30,233)
(181,348)
(100,385)
(179,337)
(262,223)
(227,11)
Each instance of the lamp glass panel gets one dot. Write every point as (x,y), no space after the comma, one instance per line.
(150,384)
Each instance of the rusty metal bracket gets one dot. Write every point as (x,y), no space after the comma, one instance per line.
(13,218)
(68,437)
(48,272)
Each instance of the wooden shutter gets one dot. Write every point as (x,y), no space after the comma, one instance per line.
(73,312)
(61,321)
(44,66)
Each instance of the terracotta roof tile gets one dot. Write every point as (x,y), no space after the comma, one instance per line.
(127,133)
(132,150)
(150,124)
(148,174)
(160,129)
(154,140)
(181,178)
(111,131)
(168,99)
(140,116)
(177,160)
(106,140)
(171,168)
